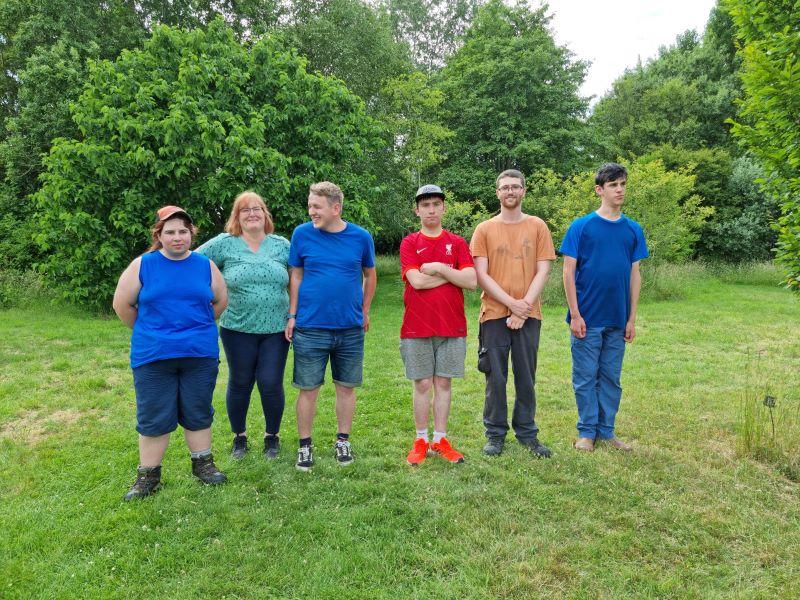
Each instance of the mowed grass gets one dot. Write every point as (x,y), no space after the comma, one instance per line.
(685,515)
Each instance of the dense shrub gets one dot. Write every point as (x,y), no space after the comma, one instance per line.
(192,119)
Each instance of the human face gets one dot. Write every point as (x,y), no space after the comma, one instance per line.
(252,217)
(430,210)
(175,238)
(510,192)
(612,194)
(323,214)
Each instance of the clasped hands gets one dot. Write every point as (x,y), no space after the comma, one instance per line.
(520,310)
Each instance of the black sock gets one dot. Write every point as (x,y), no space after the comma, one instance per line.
(305,442)
(342,436)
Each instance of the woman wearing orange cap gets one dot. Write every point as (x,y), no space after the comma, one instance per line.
(170,297)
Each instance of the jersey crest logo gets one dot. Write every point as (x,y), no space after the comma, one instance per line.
(448,249)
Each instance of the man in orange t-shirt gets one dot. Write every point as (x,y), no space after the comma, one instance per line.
(513,253)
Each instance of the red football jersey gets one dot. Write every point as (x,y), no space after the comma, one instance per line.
(438,311)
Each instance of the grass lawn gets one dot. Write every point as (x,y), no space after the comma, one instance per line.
(685,515)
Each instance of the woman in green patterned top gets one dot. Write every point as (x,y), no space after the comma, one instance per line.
(253,262)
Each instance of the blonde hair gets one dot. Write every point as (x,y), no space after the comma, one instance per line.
(234,227)
(329,190)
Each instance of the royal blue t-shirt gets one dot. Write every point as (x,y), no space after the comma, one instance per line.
(331,296)
(175,318)
(605,251)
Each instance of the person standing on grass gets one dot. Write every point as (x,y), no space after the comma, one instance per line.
(331,285)
(512,253)
(253,261)
(170,297)
(435,265)
(601,252)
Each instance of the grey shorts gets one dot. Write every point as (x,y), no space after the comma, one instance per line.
(426,357)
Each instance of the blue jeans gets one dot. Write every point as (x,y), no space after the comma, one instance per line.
(313,347)
(596,370)
(255,358)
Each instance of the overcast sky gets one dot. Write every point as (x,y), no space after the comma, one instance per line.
(614,34)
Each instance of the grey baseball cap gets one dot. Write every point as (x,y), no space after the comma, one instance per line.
(429,190)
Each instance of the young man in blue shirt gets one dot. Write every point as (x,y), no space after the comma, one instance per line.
(601,252)
(331,285)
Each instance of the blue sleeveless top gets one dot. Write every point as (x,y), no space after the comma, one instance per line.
(175,318)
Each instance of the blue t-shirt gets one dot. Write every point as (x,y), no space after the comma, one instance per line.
(330,295)
(175,318)
(605,251)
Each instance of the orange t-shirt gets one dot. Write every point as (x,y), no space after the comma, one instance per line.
(513,250)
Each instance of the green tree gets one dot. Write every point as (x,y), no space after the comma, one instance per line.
(192,119)
(347,39)
(683,97)
(512,101)
(433,29)
(768,125)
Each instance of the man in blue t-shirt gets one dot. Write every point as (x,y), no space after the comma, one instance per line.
(331,285)
(601,252)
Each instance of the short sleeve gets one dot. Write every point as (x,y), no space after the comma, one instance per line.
(544,242)
(477,245)
(368,254)
(640,250)
(408,258)
(283,252)
(569,246)
(213,249)
(463,254)
(295,258)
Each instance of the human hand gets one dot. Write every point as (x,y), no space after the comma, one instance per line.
(431,268)
(630,331)
(366,322)
(289,330)
(514,322)
(578,327)
(520,308)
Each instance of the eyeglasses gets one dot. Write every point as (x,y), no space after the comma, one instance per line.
(252,210)
(510,188)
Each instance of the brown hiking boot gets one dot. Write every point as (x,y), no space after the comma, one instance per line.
(206,471)
(584,444)
(617,443)
(148,481)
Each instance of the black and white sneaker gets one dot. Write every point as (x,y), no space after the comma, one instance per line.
(305,458)
(344,453)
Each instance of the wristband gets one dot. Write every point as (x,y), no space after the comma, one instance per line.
(294,316)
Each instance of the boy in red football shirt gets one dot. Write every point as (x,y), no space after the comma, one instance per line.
(436,265)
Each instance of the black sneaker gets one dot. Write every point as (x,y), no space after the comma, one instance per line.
(538,449)
(344,453)
(239,448)
(148,481)
(272,447)
(494,446)
(305,458)
(206,471)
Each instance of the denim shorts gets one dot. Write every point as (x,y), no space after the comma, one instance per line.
(312,347)
(175,391)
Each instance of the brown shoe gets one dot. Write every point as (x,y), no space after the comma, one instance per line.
(584,444)
(617,443)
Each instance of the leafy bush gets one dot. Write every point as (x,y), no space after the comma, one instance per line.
(192,119)
(660,200)
(462,218)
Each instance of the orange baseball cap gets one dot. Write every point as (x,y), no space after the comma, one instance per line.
(167,212)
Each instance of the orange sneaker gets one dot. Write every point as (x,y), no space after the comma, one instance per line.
(418,452)
(446,451)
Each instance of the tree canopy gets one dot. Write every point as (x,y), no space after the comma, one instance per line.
(192,119)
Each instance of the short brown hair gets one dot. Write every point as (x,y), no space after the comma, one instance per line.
(329,190)
(234,227)
(510,173)
(155,232)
